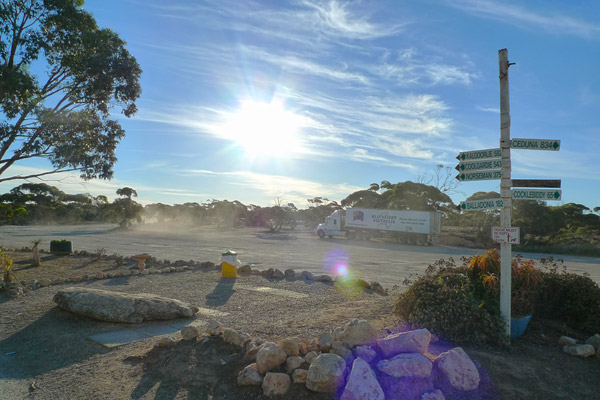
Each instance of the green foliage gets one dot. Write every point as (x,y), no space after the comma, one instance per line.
(62,113)
(446,303)
(6,263)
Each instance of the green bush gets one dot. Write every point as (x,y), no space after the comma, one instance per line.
(444,302)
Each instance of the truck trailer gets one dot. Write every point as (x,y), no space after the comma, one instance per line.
(412,227)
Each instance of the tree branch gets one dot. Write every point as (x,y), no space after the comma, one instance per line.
(56,171)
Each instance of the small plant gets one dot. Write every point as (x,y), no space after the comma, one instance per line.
(7,263)
(100,252)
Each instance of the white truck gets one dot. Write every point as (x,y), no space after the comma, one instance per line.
(413,227)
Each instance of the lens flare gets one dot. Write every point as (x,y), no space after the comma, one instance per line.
(337,263)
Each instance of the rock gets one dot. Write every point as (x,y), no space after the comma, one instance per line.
(289,273)
(434,338)
(435,395)
(235,337)
(342,351)
(337,334)
(269,356)
(99,275)
(207,264)
(121,307)
(405,342)
(166,342)
(326,373)
(406,365)
(376,286)
(267,273)
(313,346)
(325,340)
(277,274)
(214,328)
(44,282)
(276,384)
(458,368)
(249,376)
(299,375)
(565,340)
(303,348)
(291,346)
(244,270)
(362,383)
(252,349)
(190,332)
(309,276)
(363,284)
(256,272)
(580,350)
(310,356)
(367,353)
(594,341)
(324,278)
(293,363)
(358,332)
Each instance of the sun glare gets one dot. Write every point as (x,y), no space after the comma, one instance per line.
(264,129)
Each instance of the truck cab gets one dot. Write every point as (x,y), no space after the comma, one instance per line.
(333,225)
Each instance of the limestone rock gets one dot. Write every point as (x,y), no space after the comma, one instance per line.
(277,274)
(269,356)
(376,286)
(214,328)
(44,282)
(311,356)
(406,365)
(190,332)
(324,278)
(293,363)
(342,351)
(309,276)
(358,332)
(405,342)
(367,353)
(580,350)
(121,307)
(244,270)
(565,340)
(299,375)
(249,376)
(313,346)
(363,284)
(458,368)
(594,341)
(252,349)
(235,337)
(362,383)
(291,346)
(435,395)
(326,373)
(276,384)
(289,273)
(325,340)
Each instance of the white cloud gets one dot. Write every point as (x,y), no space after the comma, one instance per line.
(556,23)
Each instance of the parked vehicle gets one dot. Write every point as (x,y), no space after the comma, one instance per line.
(413,227)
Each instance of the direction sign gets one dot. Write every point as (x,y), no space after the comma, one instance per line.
(486,175)
(506,235)
(535,144)
(545,183)
(479,165)
(537,194)
(479,154)
(484,204)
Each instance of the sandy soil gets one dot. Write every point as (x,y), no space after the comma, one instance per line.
(45,352)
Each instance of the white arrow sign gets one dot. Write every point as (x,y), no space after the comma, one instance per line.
(486,175)
(537,194)
(479,154)
(479,165)
(535,144)
(484,204)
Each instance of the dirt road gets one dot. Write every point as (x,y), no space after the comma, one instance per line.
(387,263)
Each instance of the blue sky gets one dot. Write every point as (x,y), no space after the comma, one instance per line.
(258,100)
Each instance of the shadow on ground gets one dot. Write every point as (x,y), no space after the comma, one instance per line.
(221,293)
(45,345)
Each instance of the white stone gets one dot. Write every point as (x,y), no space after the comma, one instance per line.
(326,373)
(276,384)
(565,340)
(325,340)
(367,353)
(362,383)
(165,342)
(405,342)
(249,376)
(290,346)
(299,375)
(269,356)
(406,365)
(235,337)
(435,395)
(459,369)
(190,332)
(293,363)
(580,350)
(594,341)
(358,332)
(214,328)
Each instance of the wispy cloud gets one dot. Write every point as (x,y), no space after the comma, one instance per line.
(555,23)
(494,110)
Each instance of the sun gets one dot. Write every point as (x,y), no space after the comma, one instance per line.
(264,129)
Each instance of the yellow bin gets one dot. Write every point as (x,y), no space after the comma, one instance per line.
(229,264)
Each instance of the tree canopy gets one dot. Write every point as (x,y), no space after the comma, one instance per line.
(63,114)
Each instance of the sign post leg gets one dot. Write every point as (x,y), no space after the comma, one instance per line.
(505,190)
